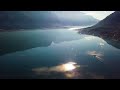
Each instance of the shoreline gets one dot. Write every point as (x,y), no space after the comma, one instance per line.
(76,28)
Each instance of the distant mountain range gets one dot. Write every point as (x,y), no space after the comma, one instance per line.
(41,19)
(75,18)
(26,19)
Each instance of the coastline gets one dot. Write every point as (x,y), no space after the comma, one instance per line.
(46,28)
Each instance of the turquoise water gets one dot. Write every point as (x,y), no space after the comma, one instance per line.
(46,54)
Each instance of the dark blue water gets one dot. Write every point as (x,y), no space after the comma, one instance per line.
(47,54)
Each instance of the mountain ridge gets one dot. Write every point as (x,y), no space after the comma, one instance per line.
(107,29)
(14,20)
(75,18)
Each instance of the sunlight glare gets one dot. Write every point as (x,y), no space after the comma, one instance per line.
(69,66)
(89,38)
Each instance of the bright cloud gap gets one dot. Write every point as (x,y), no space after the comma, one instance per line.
(98,14)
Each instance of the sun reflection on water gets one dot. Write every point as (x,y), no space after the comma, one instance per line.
(70,70)
(89,37)
(69,66)
(67,69)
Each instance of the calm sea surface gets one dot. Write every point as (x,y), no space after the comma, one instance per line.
(56,54)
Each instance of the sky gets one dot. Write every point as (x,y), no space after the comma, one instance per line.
(77,14)
(98,14)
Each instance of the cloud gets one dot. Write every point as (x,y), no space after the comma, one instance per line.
(67,69)
(59,71)
(97,55)
(60,68)
(98,14)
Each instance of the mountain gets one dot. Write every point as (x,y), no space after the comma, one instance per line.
(75,18)
(27,19)
(108,25)
(112,21)
(107,29)
(14,20)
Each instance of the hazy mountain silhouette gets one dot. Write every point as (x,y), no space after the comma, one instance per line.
(75,18)
(41,19)
(108,29)
(27,19)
